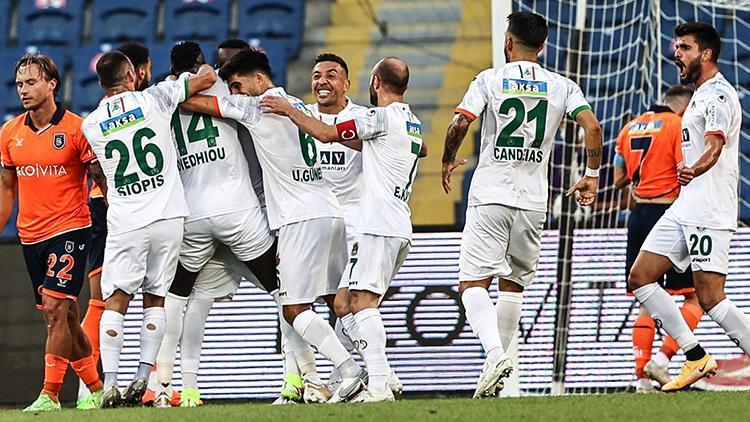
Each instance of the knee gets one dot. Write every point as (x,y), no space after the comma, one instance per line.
(362,299)
(55,312)
(341,306)
(707,302)
(636,279)
(290,312)
(463,285)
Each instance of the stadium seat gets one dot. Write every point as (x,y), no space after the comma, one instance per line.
(182,18)
(159,60)
(50,22)
(86,90)
(278,19)
(10,105)
(278,52)
(117,22)
(5,8)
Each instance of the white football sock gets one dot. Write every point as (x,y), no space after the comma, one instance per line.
(152,333)
(371,335)
(660,359)
(191,341)
(350,328)
(734,322)
(480,312)
(173,307)
(318,333)
(508,310)
(663,308)
(83,391)
(290,361)
(110,346)
(343,335)
(301,351)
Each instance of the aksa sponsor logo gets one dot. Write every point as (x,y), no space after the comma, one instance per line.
(122,121)
(524,87)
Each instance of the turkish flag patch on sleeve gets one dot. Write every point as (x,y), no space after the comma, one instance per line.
(347,130)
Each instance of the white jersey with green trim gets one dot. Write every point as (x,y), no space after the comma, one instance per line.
(523,104)
(391,141)
(211,162)
(292,178)
(131,136)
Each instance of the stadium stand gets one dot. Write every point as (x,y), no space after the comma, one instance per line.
(85,82)
(10,104)
(50,22)
(116,22)
(278,19)
(182,17)
(277,52)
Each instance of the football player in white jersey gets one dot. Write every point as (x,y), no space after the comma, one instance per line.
(130,134)
(223,210)
(696,230)
(523,104)
(391,138)
(300,205)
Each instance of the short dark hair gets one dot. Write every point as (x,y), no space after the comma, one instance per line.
(184,56)
(397,80)
(234,43)
(528,28)
(136,52)
(705,34)
(679,91)
(111,68)
(330,57)
(247,61)
(46,65)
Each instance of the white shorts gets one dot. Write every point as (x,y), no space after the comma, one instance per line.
(350,216)
(143,257)
(375,261)
(500,241)
(700,248)
(312,256)
(221,276)
(246,233)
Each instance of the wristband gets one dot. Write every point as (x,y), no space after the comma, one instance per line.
(591,172)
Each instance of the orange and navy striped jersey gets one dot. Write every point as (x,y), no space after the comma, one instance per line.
(50,164)
(651,147)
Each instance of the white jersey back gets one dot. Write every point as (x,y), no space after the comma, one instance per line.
(211,162)
(342,166)
(292,178)
(524,105)
(130,135)
(710,200)
(391,140)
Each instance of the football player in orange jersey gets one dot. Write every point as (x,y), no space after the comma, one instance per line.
(647,153)
(45,158)
(139,56)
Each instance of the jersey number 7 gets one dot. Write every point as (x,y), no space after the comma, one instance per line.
(641,143)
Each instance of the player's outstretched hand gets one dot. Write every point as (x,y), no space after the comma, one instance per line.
(586,188)
(276,105)
(684,174)
(447,170)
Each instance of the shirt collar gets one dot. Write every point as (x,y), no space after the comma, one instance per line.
(56,117)
(660,109)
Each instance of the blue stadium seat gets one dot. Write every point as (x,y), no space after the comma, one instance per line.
(10,106)
(50,22)
(159,61)
(5,8)
(277,19)
(278,52)
(197,20)
(86,90)
(119,21)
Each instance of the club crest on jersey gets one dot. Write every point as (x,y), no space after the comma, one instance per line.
(69,246)
(525,87)
(58,140)
(355,248)
(414,129)
(121,121)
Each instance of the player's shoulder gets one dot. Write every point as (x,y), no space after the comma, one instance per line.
(719,88)
(71,120)
(14,123)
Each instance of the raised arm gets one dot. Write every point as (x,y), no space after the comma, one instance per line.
(453,139)
(310,125)
(8,185)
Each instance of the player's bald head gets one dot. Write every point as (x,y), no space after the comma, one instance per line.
(112,69)
(393,73)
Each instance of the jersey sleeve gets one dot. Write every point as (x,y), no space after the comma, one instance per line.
(575,101)
(85,153)
(365,125)
(475,99)
(168,94)
(5,158)
(718,115)
(676,138)
(242,108)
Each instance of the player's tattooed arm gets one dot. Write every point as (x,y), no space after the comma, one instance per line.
(453,139)
(8,183)
(588,186)
(714,145)
(97,175)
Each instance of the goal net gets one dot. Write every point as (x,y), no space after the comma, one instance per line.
(621,54)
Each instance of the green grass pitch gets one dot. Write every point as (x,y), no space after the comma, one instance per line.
(688,406)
